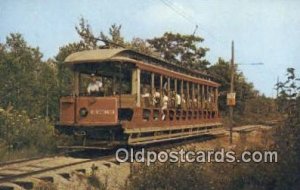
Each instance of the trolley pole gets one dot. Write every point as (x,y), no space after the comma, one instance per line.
(231,91)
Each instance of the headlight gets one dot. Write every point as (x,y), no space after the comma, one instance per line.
(83,112)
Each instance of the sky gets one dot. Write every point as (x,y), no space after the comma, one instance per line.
(264,31)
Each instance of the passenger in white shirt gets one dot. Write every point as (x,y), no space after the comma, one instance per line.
(164,106)
(95,86)
(178,101)
(165,102)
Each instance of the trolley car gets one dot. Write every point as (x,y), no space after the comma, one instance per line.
(142,100)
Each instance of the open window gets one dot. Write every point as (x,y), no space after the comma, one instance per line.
(114,77)
(146,114)
(145,90)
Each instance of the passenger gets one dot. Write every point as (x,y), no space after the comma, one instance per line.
(156,98)
(210,100)
(146,97)
(183,102)
(205,104)
(178,101)
(190,103)
(94,87)
(165,86)
(209,97)
(164,106)
(173,99)
(146,93)
(195,101)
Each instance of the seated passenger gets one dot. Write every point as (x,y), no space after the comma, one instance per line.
(209,101)
(195,102)
(183,102)
(165,86)
(146,97)
(178,101)
(164,106)
(156,98)
(94,87)
(190,103)
(146,93)
(209,97)
(205,104)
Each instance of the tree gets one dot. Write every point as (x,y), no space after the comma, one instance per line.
(23,71)
(181,49)
(142,46)
(114,39)
(288,91)
(287,136)
(244,90)
(88,40)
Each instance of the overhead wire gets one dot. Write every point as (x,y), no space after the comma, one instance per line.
(179,11)
(188,18)
(192,20)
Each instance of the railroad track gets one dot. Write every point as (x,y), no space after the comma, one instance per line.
(24,161)
(13,173)
(42,169)
(7,163)
(8,177)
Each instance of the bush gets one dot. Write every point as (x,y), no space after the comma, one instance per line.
(19,132)
(169,176)
(224,176)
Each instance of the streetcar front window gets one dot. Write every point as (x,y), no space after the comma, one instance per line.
(105,79)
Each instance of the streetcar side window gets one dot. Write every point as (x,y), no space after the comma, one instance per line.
(146,114)
(155,114)
(172,94)
(183,115)
(195,114)
(145,89)
(171,115)
(178,114)
(184,95)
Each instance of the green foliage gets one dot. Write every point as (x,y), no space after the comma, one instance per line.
(28,82)
(18,131)
(244,90)
(114,36)
(181,49)
(29,98)
(141,45)
(260,109)
(224,176)
(169,176)
(288,134)
(288,91)
(90,41)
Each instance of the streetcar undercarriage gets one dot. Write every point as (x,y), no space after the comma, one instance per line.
(113,136)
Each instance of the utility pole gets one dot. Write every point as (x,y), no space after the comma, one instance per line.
(231,91)
(277,89)
(231,95)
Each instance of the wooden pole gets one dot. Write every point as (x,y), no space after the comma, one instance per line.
(231,91)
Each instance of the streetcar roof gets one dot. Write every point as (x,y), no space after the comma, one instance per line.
(98,55)
(127,55)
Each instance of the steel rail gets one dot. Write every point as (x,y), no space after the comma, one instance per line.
(10,178)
